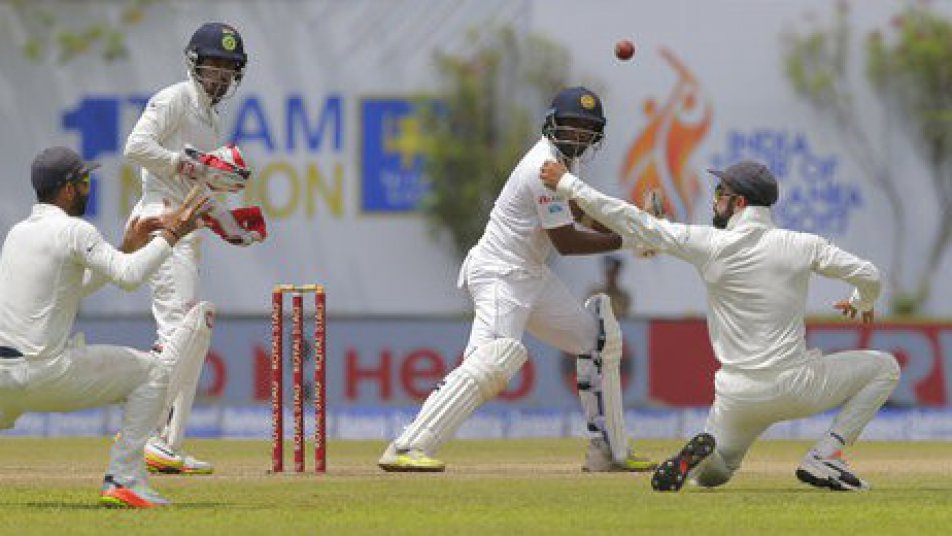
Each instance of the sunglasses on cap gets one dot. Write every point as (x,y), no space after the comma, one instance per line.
(719,193)
(80,177)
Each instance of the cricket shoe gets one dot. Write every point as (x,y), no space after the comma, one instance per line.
(116,495)
(673,472)
(193,466)
(409,461)
(833,473)
(598,459)
(161,459)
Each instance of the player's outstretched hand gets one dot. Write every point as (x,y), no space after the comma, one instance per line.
(139,233)
(654,205)
(181,221)
(551,172)
(847,309)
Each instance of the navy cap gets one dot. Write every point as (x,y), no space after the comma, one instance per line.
(217,40)
(577,102)
(752,180)
(55,166)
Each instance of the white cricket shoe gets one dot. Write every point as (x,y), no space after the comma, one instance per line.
(833,473)
(409,461)
(160,458)
(598,459)
(194,466)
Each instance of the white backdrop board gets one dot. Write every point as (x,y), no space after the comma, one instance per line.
(325,116)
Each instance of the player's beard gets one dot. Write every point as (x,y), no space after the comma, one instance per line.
(720,219)
(79,205)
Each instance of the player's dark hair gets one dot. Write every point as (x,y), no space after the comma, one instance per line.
(49,195)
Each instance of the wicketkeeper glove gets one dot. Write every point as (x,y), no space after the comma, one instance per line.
(222,170)
(241,226)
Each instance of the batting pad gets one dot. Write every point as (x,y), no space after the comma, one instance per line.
(599,380)
(481,376)
(186,349)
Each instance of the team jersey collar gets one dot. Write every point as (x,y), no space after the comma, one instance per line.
(751,216)
(46,209)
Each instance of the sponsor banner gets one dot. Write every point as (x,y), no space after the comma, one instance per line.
(254,422)
(682,364)
(396,363)
(373,363)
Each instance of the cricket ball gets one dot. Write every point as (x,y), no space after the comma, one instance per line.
(624,50)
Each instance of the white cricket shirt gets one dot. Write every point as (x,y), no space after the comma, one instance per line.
(756,275)
(179,114)
(49,262)
(525,208)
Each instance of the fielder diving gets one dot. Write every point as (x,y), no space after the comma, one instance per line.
(757,276)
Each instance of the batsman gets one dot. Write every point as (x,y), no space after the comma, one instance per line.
(514,290)
(174,142)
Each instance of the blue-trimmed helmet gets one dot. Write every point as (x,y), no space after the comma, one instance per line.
(216,40)
(575,122)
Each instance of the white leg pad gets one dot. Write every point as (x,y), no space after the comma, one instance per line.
(481,376)
(599,381)
(187,349)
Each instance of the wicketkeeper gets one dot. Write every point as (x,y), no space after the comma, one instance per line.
(175,143)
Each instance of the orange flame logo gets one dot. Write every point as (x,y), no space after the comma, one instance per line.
(658,158)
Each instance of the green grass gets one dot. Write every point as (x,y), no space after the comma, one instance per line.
(528,487)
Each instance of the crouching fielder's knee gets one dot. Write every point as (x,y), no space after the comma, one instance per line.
(888,366)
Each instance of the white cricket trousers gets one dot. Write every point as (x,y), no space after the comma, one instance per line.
(507,301)
(747,403)
(175,285)
(87,377)
(175,288)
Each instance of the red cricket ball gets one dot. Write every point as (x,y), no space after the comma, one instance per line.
(624,50)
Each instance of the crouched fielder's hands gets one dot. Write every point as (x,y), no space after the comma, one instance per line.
(222,170)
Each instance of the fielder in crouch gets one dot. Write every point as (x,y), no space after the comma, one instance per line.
(178,124)
(756,277)
(49,262)
(513,290)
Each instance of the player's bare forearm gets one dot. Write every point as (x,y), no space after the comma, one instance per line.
(585,220)
(569,240)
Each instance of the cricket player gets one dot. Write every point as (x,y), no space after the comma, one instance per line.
(757,277)
(514,290)
(173,142)
(48,263)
